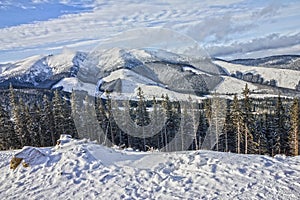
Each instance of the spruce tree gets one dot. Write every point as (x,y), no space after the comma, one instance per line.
(6,129)
(195,113)
(262,138)
(294,132)
(16,137)
(103,120)
(34,126)
(280,130)
(142,118)
(237,120)
(127,108)
(24,123)
(250,144)
(58,116)
(47,122)
(167,109)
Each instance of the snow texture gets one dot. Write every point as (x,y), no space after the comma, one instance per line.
(80,169)
(285,78)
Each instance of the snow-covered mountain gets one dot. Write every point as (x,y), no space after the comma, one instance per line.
(282,62)
(79,169)
(157,72)
(41,71)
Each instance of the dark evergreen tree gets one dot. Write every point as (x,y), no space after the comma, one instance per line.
(58,116)
(238,124)
(47,124)
(16,137)
(262,129)
(280,133)
(6,129)
(294,132)
(167,109)
(250,146)
(141,116)
(24,124)
(34,126)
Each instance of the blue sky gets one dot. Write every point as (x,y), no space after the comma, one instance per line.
(13,13)
(227,29)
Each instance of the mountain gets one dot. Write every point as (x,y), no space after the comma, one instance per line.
(157,72)
(40,71)
(80,169)
(270,75)
(279,61)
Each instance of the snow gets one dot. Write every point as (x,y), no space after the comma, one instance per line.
(196,71)
(21,66)
(61,62)
(80,169)
(73,83)
(39,66)
(232,86)
(130,75)
(285,78)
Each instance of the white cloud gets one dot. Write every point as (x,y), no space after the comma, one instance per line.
(271,42)
(223,26)
(39,1)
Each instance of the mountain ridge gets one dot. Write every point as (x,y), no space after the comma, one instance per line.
(150,69)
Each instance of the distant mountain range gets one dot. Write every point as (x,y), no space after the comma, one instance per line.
(122,71)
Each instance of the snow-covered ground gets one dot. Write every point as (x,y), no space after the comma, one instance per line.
(85,170)
(233,85)
(285,77)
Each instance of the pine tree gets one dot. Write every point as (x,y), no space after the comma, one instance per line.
(142,118)
(250,145)
(262,138)
(6,129)
(103,121)
(167,109)
(187,128)
(195,114)
(34,126)
(126,122)
(280,130)
(47,122)
(294,132)
(24,123)
(208,141)
(226,141)
(16,137)
(110,132)
(155,116)
(86,115)
(74,115)
(58,116)
(237,120)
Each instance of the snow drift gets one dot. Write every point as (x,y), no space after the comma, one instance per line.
(80,169)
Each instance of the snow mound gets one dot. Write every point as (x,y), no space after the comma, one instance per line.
(81,169)
(33,156)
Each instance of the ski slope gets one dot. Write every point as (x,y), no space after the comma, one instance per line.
(86,170)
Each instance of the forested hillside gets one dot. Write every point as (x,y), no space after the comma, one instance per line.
(251,126)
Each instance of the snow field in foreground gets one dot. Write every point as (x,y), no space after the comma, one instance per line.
(79,169)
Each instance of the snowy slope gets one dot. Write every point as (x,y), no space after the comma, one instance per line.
(39,69)
(122,71)
(285,78)
(233,85)
(85,170)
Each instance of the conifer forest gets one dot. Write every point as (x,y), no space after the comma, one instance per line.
(267,126)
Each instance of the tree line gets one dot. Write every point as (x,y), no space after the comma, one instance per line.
(247,125)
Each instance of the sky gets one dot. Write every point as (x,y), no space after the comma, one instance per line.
(226,29)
